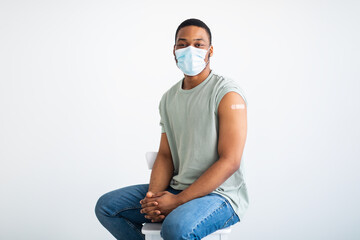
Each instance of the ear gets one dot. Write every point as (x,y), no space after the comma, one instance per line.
(211,51)
(174,54)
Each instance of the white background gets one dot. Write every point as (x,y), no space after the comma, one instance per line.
(80,84)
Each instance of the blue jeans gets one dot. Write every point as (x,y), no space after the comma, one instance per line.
(119,212)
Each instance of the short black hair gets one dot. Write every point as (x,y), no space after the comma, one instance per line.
(193,22)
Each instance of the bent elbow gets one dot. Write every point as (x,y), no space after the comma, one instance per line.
(233,164)
(236,165)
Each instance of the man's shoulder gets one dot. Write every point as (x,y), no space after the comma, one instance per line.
(224,84)
(223,80)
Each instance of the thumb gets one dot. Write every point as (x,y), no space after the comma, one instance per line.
(149,194)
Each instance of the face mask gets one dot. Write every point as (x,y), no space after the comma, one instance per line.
(191,60)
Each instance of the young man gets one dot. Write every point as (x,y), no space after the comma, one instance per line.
(197,184)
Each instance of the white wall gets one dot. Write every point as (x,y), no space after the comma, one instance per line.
(80,83)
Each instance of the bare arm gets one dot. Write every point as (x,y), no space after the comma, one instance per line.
(232,137)
(163,168)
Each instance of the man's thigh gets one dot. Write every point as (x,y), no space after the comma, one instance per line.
(124,202)
(199,217)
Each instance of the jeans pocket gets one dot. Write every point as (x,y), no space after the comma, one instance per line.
(232,220)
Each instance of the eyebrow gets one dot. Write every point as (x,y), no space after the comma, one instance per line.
(196,39)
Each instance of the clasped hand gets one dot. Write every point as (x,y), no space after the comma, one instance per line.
(157,206)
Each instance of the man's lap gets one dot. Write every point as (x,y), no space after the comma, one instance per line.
(200,216)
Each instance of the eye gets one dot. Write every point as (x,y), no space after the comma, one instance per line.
(199,45)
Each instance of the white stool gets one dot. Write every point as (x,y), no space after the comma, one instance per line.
(152,230)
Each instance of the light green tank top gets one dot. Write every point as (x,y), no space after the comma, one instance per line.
(190,120)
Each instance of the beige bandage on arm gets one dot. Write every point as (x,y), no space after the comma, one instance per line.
(237,106)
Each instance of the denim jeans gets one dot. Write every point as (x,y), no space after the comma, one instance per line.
(119,212)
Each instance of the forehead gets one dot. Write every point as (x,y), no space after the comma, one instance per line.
(193,32)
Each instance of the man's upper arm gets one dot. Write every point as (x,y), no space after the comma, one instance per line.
(232,115)
(164,148)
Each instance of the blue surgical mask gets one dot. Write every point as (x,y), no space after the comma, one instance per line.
(191,60)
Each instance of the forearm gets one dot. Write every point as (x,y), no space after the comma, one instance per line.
(212,178)
(161,174)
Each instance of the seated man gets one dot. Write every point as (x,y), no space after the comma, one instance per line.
(197,184)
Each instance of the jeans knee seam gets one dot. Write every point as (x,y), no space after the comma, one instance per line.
(124,209)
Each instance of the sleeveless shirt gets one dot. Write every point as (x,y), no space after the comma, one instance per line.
(190,120)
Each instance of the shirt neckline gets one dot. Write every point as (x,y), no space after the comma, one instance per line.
(196,87)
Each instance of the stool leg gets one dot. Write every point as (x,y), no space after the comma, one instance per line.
(224,237)
(152,237)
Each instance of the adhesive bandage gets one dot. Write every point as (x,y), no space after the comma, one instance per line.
(237,106)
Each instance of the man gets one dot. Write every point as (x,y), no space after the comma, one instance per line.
(196,185)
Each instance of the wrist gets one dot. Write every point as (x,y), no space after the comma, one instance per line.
(182,198)
(154,189)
